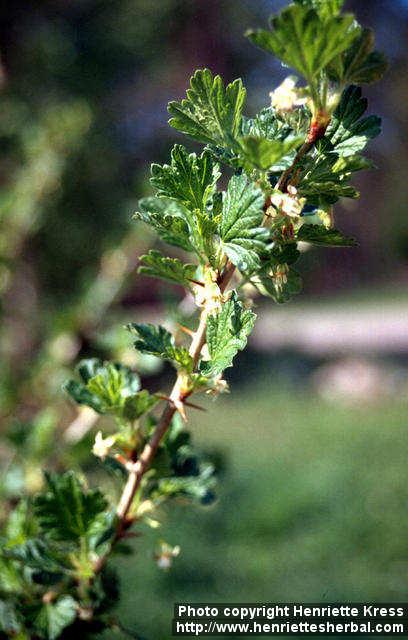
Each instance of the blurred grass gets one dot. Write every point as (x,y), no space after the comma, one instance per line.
(313,507)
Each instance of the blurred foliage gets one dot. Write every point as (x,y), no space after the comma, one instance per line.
(313,509)
(83,91)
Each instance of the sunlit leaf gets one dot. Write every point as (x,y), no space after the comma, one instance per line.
(263,154)
(240,229)
(227,333)
(189,179)
(305,39)
(157,341)
(211,112)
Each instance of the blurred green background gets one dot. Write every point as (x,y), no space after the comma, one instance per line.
(312,441)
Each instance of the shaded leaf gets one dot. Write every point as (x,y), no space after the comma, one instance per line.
(348,132)
(359,64)
(81,395)
(265,125)
(179,470)
(50,619)
(66,511)
(36,554)
(199,487)
(281,291)
(327,192)
(318,234)
(283,254)
(10,623)
(172,269)
(168,219)
(324,177)
(159,342)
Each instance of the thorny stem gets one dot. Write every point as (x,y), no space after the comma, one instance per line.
(283,181)
(316,131)
(176,399)
(178,396)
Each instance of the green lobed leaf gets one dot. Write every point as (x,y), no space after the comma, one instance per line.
(291,130)
(10,623)
(139,404)
(305,39)
(324,176)
(266,124)
(11,580)
(198,487)
(280,291)
(113,385)
(227,333)
(318,234)
(105,385)
(189,179)
(327,192)
(263,153)
(179,471)
(168,219)
(20,524)
(359,64)
(159,342)
(51,618)
(66,511)
(348,132)
(240,230)
(196,229)
(326,8)
(211,113)
(36,554)
(89,368)
(81,395)
(287,253)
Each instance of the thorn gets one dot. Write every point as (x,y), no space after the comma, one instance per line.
(131,534)
(179,404)
(163,397)
(194,406)
(48,597)
(129,465)
(199,284)
(186,330)
(123,461)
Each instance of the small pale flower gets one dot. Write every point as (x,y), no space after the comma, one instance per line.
(219,385)
(288,203)
(102,446)
(165,555)
(209,296)
(286,97)
(280,276)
